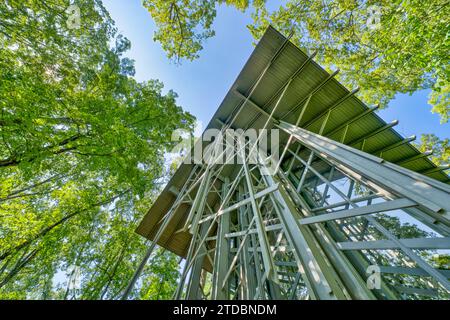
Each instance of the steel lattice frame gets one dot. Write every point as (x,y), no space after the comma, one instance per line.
(277,237)
(312,229)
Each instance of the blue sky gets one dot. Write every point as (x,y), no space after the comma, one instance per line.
(202,84)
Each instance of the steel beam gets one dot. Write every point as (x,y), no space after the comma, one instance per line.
(353,282)
(417,243)
(311,93)
(320,279)
(267,258)
(418,291)
(414,158)
(375,208)
(432,196)
(351,121)
(220,292)
(410,271)
(428,193)
(193,287)
(373,133)
(380,152)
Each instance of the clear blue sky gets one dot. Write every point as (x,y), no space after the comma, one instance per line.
(202,84)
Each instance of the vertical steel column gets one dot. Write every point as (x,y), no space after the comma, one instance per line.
(199,202)
(247,272)
(322,281)
(430,196)
(221,253)
(353,282)
(196,209)
(255,254)
(262,237)
(193,287)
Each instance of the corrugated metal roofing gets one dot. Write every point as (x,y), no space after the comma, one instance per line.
(289,61)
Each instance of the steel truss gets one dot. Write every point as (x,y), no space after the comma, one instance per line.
(318,226)
(313,229)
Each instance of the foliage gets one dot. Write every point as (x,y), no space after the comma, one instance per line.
(440,148)
(162,278)
(385,47)
(183,25)
(406,230)
(81,152)
(442,261)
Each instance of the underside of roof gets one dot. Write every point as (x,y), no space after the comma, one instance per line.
(366,130)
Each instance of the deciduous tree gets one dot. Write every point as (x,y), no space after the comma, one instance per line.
(82,147)
(385,47)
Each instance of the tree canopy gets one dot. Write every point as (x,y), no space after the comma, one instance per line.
(385,47)
(82,143)
(82,147)
(440,149)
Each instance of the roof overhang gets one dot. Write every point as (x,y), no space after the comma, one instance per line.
(311,76)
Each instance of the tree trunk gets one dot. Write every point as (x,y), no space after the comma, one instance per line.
(19,265)
(46,230)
